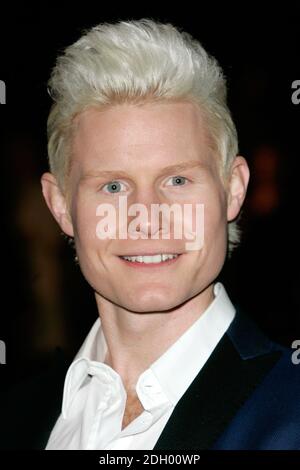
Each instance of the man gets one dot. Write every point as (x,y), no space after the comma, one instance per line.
(140,117)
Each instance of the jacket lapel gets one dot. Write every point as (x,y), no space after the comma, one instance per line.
(237,365)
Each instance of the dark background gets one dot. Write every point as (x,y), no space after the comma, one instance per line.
(45,302)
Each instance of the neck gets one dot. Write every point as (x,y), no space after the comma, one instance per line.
(136,340)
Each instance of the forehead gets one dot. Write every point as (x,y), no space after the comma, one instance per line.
(149,134)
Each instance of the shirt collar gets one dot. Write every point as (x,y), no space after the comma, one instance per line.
(91,355)
(179,365)
(175,369)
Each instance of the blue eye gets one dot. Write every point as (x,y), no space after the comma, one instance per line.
(114,186)
(178,180)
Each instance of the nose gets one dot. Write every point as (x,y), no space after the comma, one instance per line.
(140,213)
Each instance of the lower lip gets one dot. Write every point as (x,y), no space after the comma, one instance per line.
(136,264)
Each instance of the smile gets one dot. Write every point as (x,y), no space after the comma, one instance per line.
(150,260)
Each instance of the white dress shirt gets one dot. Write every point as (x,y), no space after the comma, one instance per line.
(94,397)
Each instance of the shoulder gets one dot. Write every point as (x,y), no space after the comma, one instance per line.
(251,343)
(269,415)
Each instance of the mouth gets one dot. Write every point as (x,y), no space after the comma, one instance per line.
(150,261)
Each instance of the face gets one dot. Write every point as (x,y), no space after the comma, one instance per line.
(150,154)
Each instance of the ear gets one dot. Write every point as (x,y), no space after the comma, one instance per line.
(56,203)
(237,187)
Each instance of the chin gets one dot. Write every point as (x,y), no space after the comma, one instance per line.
(152,303)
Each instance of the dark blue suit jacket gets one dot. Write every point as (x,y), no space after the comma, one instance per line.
(247,396)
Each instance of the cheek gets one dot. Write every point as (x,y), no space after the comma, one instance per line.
(85,224)
(215,223)
(92,251)
(208,261)
(214,220)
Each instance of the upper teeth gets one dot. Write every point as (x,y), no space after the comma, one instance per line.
(150,259)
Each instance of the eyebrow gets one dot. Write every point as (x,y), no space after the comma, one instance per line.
(171,168)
